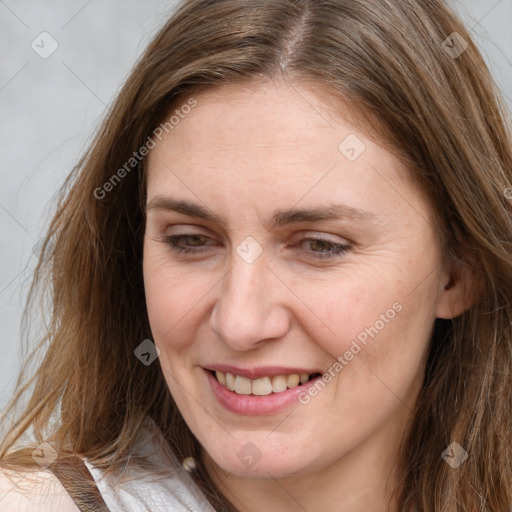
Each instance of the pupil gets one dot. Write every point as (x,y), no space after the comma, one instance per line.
(322,245)
(195,238)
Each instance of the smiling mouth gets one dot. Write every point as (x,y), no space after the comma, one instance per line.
(263,386)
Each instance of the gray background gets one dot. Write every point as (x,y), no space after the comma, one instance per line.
(51,107)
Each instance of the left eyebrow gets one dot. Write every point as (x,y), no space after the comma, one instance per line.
(330,212)
(280,217)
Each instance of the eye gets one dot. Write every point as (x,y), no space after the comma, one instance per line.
(321,248)
(193,242)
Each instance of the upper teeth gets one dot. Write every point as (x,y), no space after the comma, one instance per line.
(263,386)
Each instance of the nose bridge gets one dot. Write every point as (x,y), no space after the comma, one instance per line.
(244,283)
(247,309)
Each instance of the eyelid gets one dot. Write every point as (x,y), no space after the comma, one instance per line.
(328,237)
(188,229)
(164,220)
(301,233)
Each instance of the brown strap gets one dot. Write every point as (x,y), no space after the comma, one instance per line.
(87,498)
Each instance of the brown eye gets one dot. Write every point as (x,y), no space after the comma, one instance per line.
(194,240)
(318,245)
(321,248)
(190,240)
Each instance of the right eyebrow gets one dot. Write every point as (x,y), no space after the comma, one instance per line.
(185,207)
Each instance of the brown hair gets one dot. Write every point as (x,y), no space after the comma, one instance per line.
(439,112)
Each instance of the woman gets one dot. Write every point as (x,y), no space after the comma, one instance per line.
(281,276)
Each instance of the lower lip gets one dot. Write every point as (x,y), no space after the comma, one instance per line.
(253,405)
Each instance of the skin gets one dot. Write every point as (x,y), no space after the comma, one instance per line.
(244,152)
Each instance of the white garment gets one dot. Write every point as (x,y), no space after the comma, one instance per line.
(147,493)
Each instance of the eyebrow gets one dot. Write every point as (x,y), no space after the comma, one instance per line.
(280,217)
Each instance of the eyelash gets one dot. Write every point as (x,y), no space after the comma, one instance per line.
(171,241)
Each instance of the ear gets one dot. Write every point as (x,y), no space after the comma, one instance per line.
(461,290)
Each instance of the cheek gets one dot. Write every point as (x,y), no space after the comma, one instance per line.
(174,298)
(377,318)
(341,307)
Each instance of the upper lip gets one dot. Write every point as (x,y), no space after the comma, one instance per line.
(261,371)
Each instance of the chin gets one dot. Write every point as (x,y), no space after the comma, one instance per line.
(247,462)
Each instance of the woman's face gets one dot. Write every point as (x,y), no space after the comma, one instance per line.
(306,251)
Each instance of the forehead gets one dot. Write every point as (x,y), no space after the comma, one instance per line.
(257,115)
(264,143)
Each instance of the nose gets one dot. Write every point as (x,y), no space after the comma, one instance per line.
(251,305)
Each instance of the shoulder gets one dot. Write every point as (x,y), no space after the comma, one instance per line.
(39,491)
